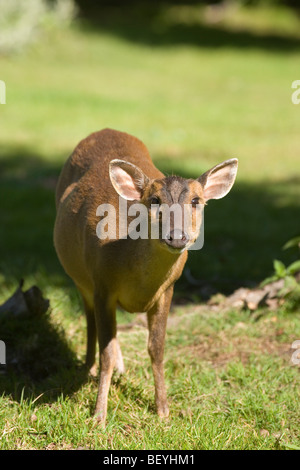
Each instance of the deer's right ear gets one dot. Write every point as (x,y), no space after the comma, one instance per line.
(127,179)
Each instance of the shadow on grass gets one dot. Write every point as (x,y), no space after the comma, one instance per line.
(244,232)
(133,392)
(157,24)
(39,361)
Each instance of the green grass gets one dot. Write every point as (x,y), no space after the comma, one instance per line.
(230,382)
(196,93)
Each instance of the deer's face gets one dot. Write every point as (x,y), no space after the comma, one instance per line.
(174,204)
(175,207)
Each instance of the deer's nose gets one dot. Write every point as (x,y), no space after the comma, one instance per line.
(177,239)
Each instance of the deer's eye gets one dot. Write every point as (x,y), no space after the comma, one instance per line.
(154,200)
(195,201)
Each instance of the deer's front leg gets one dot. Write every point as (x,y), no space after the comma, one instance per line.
(157,322)
(105,316)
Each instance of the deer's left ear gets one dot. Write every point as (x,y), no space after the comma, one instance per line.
(218,181)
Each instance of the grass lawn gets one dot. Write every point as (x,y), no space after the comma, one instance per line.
(230,383)
(196,93)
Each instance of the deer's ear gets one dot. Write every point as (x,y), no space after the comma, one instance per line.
(127,179)
(218,181)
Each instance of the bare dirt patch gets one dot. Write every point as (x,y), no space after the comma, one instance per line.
(221,349)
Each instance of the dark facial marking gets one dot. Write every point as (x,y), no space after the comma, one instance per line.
(175,188)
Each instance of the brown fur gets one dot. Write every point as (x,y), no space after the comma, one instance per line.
(138,275)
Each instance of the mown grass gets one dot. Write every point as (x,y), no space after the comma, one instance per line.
(195,93)
(230,381)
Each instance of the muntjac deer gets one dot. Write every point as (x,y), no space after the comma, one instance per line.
(135,273)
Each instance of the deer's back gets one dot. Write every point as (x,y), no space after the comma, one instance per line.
(88,166)
(83,185)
